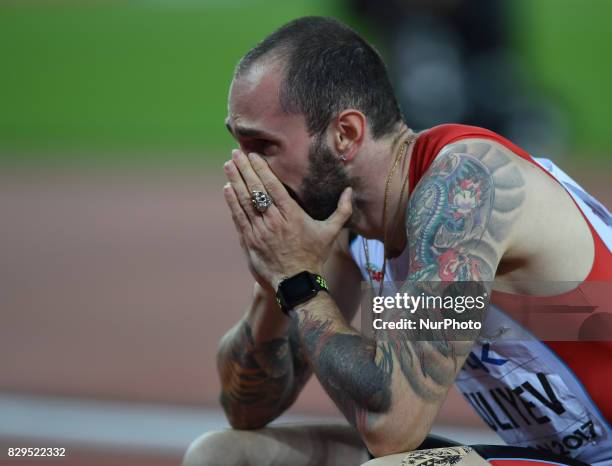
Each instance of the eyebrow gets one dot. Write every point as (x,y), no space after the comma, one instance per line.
(227,125)
(247,132)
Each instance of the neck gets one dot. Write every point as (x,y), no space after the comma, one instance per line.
(370,199)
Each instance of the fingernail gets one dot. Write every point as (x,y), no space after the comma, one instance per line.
(252,155)
(226,165)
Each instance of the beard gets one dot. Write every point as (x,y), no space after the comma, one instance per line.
(325,181)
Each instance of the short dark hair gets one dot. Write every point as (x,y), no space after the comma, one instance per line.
(327,68)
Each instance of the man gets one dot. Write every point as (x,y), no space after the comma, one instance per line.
(330,188)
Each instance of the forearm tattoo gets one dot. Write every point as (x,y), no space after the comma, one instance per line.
(456,221)
(346,366)
(259,381)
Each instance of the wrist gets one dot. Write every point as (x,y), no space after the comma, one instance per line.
(264,293)
(264,316)
(299,289)
(278,278)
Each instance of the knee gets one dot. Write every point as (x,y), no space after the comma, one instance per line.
(217,448)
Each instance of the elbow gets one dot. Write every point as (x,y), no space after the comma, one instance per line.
(241,417)
(244,424)
(390,434)
(384,445)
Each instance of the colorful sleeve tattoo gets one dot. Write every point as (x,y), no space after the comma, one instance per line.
(456,222)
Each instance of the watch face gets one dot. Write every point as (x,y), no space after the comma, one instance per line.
(298,287)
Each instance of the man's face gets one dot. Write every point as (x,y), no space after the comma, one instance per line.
(306,165)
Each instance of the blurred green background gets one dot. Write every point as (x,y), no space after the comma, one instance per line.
(115,273)
(125,80)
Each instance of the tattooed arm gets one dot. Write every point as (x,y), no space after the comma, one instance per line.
(391,387)
(260,361)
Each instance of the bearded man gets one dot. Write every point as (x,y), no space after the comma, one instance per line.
(329,188)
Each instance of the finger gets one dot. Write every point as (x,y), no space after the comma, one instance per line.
(259,219)
(241,191)
(253,182)
(272,184)
(249,176)
(241,221)
(342,213)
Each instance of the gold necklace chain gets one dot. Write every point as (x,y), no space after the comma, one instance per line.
(401,154)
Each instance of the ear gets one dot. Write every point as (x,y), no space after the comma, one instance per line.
(349,133)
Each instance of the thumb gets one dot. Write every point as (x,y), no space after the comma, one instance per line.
(343,212)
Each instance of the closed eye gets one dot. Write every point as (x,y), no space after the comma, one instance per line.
(261,146)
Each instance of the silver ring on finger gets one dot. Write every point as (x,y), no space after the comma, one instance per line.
(261,201)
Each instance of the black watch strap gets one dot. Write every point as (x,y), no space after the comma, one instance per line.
(298,289)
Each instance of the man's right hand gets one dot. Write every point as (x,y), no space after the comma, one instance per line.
(251,397)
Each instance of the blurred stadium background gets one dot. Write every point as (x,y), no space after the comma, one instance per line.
(119,268)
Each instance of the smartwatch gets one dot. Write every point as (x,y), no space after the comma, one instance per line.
(299,289)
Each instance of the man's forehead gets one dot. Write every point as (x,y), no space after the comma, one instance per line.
(262,72)
(254,103)
(255,92)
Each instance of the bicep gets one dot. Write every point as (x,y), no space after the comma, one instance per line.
(448,219)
